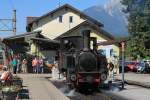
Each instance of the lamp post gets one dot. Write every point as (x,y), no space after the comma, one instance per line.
(123,61)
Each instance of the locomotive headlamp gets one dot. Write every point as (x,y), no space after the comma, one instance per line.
(66,41)
(103,76)
(73,77)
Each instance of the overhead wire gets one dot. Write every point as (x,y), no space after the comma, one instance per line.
(4,24)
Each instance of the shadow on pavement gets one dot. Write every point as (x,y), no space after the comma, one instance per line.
(116,97)
(112,90)
(24,94)
(48,77)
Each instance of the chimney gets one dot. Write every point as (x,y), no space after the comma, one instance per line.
(86,39)
(30,19)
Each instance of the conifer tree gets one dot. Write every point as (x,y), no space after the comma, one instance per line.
(138,27)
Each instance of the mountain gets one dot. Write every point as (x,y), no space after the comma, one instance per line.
(112,17)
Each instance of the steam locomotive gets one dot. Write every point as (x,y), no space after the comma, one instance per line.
(85,67)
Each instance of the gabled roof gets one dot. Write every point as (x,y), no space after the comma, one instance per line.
(91,24)
(72,8)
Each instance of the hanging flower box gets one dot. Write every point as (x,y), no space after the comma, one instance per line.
(10,92)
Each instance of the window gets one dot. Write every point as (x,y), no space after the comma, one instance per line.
(1,55)
(111,52)
(71,19)
(102,52)
(60,19)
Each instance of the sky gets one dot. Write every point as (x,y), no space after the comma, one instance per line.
(36,8)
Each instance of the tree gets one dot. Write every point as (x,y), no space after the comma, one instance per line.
(138,27)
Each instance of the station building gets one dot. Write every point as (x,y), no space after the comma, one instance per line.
(43,33)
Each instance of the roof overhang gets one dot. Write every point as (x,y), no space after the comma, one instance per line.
(46,40)
(112,42)
(23,41)
(21,37)
(20,43)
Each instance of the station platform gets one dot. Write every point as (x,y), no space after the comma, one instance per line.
(136,79)
(40,88)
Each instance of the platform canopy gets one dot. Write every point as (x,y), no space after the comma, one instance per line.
(21,43)
(46,44)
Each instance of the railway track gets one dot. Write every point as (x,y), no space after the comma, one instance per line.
(95,96)
(75,95)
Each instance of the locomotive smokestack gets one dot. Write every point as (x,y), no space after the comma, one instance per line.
(86,39)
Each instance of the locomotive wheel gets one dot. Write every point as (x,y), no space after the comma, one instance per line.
(70,84)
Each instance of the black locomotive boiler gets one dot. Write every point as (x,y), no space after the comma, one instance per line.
(85,67)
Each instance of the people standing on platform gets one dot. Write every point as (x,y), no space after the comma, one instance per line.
(35,65)
(14,64)
(18,65)
(41,65)
(55,71)
(111,71)
(24,66)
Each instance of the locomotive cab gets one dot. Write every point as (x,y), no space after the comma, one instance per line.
(70,48)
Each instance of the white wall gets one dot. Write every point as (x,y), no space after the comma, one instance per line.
(52,28)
